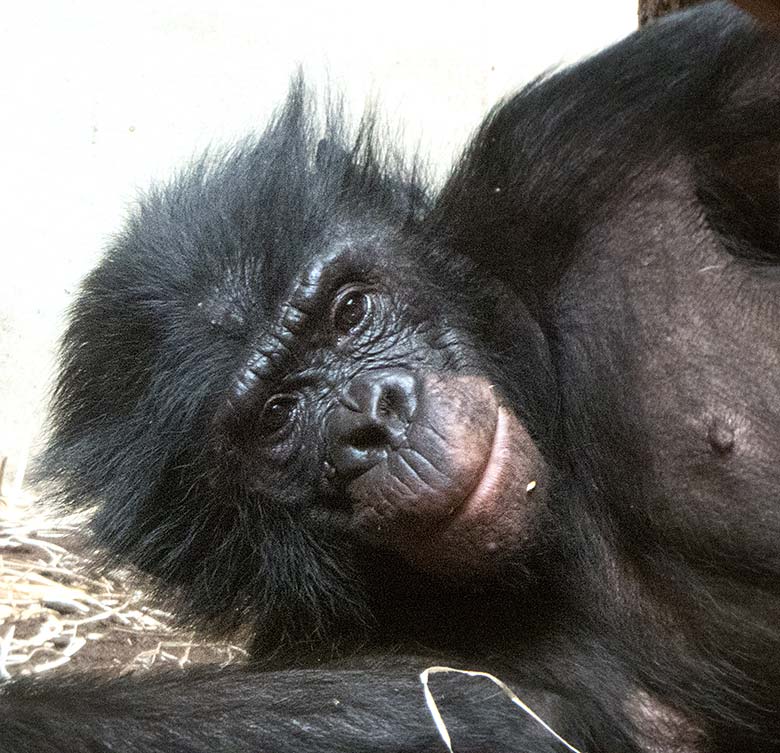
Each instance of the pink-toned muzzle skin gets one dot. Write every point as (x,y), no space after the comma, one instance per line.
(465,488)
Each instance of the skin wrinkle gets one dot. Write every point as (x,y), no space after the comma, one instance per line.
(426,461)
(426,484)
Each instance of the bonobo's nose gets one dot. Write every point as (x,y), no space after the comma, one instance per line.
(372,416)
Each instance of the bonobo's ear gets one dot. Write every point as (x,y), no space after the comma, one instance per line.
(738,184)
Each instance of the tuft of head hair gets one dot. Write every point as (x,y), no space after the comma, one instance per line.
(154,339)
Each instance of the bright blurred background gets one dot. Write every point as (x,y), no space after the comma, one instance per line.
(99,98)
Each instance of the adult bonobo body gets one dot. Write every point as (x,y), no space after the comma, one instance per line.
(529,426)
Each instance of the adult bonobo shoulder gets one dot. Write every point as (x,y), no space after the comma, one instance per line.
(526,424)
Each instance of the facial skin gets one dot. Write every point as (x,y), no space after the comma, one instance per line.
(405,446)
(402,450)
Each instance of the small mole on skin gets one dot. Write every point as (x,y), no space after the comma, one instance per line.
(720,436)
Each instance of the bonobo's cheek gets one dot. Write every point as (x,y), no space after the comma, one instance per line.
(463,491)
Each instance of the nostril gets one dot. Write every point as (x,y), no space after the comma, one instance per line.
(393,396)
(370,420)
(394,403)
(384,395)
(384,405)
(367,437)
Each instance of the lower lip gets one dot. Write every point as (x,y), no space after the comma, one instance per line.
(493,478)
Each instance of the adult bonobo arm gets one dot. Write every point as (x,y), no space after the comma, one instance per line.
(375,705)
(632,201)
(543,170)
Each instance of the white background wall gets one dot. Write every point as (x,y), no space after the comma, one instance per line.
(98,98)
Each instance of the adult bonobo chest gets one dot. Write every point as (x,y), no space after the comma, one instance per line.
(689,310)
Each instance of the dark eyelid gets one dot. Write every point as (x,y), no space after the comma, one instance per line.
(309,300)
(340,297)
(322,280)
(290,401)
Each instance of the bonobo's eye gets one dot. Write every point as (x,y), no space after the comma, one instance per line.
(276,416)
(350,311)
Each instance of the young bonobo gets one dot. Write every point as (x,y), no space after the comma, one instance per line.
(527,426)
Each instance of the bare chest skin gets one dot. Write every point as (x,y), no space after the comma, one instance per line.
(698,377)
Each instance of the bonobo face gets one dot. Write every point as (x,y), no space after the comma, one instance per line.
(363,399)
(275,385)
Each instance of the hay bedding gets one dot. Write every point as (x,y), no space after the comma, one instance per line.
(57,613)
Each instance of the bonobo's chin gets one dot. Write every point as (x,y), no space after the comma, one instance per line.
(463,493)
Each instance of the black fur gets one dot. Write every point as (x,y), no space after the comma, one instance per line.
(606,253)
(170,316)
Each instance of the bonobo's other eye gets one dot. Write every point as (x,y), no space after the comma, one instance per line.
(276,415)
(350,310)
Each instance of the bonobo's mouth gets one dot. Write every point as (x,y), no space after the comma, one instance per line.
(495,521)
(496,473)
(462,485)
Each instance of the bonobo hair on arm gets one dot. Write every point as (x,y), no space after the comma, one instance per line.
(526,424)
